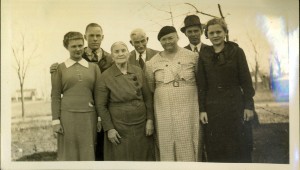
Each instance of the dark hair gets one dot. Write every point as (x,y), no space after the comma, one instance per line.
(93,25)
(215,21)
(72,36)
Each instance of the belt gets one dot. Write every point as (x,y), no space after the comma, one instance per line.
(132,102)
(176,84)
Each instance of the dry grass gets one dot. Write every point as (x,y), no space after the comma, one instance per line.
(33,140)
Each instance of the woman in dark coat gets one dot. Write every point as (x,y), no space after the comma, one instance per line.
(225,97)
(126,110)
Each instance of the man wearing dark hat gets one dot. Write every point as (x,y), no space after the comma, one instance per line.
(193,30)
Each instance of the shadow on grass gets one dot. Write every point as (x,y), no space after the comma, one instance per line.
(271,143)
(40,156)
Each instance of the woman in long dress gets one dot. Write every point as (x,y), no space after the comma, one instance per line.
(171,76)
(126,109)
(226,97)
(73,111)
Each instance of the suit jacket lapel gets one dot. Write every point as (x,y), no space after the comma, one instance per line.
(148,54)
(188,47)
(132,58)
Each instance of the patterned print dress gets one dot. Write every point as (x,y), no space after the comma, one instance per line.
(175,105)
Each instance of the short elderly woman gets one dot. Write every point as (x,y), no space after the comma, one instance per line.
(74,115)
(126,110)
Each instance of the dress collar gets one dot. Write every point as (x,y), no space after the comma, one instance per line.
(117,71)
(69,62)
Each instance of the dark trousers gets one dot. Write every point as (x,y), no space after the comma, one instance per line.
(99,146)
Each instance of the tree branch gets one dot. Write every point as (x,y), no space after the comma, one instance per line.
(157,8)
(197,11)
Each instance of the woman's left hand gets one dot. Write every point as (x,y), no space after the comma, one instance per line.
(248,115)
(149,127)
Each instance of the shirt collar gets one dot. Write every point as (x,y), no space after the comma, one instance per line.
(89,52)
(69,62)
(138,55)
(198,46)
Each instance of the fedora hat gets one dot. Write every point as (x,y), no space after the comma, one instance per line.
(191,20)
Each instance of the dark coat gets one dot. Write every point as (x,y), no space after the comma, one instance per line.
(133,58)
(125,103)
(104,63)
(225,90)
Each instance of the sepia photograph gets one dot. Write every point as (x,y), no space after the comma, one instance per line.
(149,84)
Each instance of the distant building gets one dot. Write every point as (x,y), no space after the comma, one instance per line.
(29,94)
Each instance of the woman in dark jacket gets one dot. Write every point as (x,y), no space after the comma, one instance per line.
(126,110)
(225,97)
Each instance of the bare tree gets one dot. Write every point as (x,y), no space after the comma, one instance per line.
(203,13)
(259,56)
(256,65)
(169,12)
(23,55)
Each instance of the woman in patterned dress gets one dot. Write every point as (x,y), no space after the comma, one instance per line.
(171,76)
(126,109)
(226,97)
(73,112)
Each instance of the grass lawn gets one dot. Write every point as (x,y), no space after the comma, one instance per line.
(33,140)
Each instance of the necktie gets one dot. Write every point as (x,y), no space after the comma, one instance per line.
(141,61)
(94,57)
(195,49)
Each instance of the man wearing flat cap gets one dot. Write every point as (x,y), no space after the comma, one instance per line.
(193,31)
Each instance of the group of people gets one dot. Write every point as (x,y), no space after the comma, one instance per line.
(180,104)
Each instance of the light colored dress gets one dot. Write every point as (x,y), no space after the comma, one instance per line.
(175,105)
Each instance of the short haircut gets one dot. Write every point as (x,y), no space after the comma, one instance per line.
(92,25)
(137,32)
(72,35)
(215,21)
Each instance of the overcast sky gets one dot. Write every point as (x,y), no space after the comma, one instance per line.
(44,22)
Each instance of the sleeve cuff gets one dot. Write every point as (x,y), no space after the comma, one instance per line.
(55,122)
